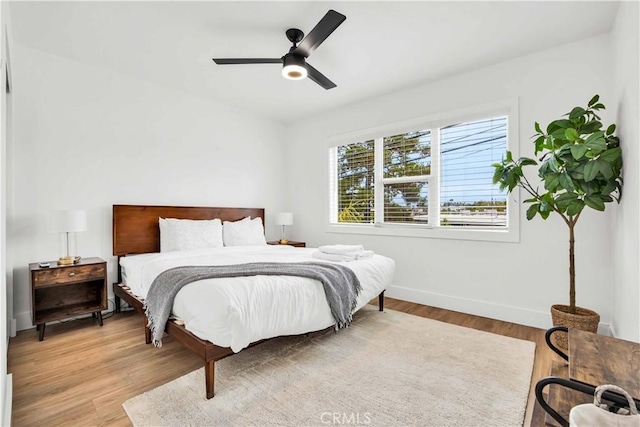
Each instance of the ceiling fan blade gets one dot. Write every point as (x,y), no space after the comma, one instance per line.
(320,32)
(319,78)
(233,61)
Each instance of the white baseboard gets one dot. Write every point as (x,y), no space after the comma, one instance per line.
(12,328)
(519,315)
(23,321)
(8,401)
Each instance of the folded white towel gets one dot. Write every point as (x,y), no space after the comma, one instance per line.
(342,258)
(341,249)
(332,257)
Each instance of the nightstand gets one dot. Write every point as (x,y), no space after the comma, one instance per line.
(62,291)
(290,243)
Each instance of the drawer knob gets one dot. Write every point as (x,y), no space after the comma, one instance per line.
(72,274)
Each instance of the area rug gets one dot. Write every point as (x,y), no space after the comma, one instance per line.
(387,369)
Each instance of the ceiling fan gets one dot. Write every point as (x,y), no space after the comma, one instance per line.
(295,66)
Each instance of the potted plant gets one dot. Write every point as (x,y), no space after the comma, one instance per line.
(580,167)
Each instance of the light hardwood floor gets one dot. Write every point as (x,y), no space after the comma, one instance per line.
(82,373)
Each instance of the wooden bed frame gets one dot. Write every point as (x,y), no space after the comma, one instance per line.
(136,231)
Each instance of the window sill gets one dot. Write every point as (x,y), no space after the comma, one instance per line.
(426,231)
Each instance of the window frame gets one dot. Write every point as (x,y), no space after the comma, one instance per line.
(434,122)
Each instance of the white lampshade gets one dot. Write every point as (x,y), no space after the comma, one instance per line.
(284,218)
(68,221)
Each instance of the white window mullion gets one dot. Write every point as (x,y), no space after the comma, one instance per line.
(434,182)
(333,185)
(378,181)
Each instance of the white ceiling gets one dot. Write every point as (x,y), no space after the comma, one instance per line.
(382,47)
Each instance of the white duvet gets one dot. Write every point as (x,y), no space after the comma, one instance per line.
(234,312)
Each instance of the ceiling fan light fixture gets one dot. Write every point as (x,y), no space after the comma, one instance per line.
(294,67)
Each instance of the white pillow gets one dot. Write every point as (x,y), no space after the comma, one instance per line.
(245,232)
(187,234)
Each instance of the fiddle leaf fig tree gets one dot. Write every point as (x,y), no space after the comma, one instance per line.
(580,166)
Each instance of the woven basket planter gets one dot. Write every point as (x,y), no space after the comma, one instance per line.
(584,319)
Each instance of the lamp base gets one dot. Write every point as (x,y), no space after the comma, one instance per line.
(283,241)
(68,260)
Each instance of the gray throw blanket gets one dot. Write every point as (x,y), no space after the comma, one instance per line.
(341,287)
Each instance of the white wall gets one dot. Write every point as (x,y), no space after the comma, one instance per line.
(87,138)
(511,281)
(6,388)
(626,227)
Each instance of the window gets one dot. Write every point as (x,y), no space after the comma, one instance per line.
(405,175)
(467,195)
(435,177)
(355,182)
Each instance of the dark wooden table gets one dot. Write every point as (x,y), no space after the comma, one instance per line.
(592,360)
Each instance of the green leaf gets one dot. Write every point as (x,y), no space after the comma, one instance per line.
(526,161)
(596,142)
(497,174)
(546,207)
(552,181)
(563,123)
(598,107)
(611,129)
(532,211)
(593,100)
(539,142)
(609,188)
(510,180)
(578,151)
(547,198)
(565,149)
(605,169)
(576,112)
(558,134)
(565,199)
(553,164)
(545,214)
(590,127)
(571,134)
(565,182)
(536,125)
(594,202)
(591,170)
(575,207)
(611,154)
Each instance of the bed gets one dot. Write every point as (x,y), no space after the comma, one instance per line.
(259,309)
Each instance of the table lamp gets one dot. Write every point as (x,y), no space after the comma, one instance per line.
(284,219)
(68,223)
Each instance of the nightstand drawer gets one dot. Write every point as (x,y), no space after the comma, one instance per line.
(68,274)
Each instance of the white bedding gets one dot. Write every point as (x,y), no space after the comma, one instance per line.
(234,312)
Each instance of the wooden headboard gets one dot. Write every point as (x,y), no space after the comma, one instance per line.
(136,229)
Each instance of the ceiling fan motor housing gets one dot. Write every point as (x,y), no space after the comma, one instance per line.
(294,67)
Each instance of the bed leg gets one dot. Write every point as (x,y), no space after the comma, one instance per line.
(381,301)
(116,302)
(147,332)
(209,373)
